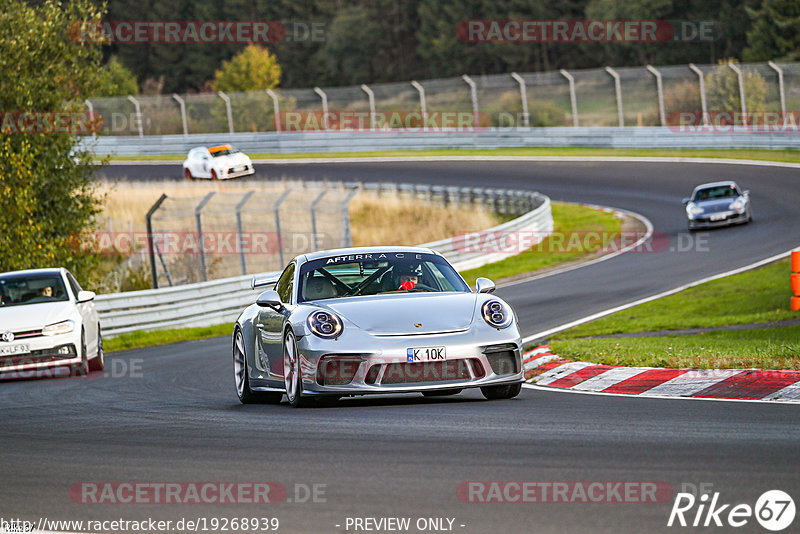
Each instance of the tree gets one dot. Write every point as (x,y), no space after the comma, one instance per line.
(775,33)
(47,195)
(252,69)
(722,90)
(117,80)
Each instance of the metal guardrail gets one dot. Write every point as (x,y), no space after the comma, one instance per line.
(342,141)
(220,301)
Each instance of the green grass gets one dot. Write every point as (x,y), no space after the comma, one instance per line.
(788,155)
(569,220)
(773,348)
(755,296)
(140,339)
(760,295)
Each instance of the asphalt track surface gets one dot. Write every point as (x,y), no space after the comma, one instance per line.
(170,413)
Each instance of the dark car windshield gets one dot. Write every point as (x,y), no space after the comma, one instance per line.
(19,289)
(377,273)
(719,191)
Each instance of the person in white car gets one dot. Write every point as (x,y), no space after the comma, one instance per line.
(47,321)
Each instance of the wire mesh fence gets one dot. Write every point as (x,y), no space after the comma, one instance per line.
(647,96)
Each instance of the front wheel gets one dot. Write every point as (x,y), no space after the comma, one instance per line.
(502,392)
(292,373)
(243,391)
(213,174)
(98,362)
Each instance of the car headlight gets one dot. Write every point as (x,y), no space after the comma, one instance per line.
(497,314)
(737,205)
(64,327)
(694,210)
(325,325)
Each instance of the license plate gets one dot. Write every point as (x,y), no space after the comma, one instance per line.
(14,349)
(718,216)
(239,169)
(426,354)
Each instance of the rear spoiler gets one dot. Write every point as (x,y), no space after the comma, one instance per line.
(266,281)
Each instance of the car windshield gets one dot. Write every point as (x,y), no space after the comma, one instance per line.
(224,150)
(719,191)
(377,273)
(19,289)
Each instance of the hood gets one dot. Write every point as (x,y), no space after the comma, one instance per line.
(33,316)
(718,204)
(396,314)
(233,159)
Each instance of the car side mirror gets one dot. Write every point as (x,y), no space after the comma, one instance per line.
(270,299)
(86,296)
(484,285)
(685,201)
(746,192)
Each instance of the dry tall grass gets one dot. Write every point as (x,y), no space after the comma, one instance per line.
(384,220)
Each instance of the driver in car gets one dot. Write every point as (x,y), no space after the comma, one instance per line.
(407,278)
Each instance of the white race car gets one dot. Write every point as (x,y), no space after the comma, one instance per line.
(220,162)
(47,321)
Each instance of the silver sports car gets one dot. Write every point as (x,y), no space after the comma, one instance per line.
(374,320)
(717,204)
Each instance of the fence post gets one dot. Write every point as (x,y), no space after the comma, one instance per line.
(276,109)
(228,110)
(314,218)
(473,93)
(198,221)
(347,237)
(138,115)
(742,97)
(371,97)
(422,103)
(182,104)
(572,98)
(277,209)
(324,98)
(523,95)
(703,104)
(781,88)
(240,230)
(150,244)
(660,88)
(618,91)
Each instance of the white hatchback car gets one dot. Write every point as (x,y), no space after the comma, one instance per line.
(47,321)
(219,162)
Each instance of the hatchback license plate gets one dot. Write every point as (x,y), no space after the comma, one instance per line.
(426,354)
(14,349)
(718,216)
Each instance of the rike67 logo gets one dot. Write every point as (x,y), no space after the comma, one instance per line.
(774,510)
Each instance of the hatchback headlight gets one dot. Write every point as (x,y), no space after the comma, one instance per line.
(325,325)
(64,327)
(497,314)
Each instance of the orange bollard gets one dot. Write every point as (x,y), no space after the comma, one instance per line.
(795,283)
(796,261)
(795,304)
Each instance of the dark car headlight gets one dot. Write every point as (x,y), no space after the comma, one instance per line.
(325,324)
(497,314)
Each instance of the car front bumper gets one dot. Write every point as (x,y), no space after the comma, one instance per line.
(44,352)
(704,221)
(368,364)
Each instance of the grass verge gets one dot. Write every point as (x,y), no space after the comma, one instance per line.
(756,296)
(141,339)
(787,155)
(568,220)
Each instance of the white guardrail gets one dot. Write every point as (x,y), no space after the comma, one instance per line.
(221,301)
